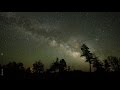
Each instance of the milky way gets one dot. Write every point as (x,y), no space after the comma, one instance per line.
(29,36)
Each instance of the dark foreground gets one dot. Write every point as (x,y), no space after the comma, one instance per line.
(64,76)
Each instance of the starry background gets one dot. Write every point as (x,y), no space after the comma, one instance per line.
(31,36)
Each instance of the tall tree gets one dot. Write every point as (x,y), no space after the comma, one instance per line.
(87,54)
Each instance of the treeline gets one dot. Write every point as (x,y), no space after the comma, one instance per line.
(14,70)
(110,64)
(59,69)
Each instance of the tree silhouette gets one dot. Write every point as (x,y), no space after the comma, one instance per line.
(114,62)
(68,68)
(98,65)
(58,66)
(87,54)
(38,70)
(28,73)
(0,70)
(55,66)
(28,70)
(62,66)
(14,70)
(20,70)
(107,66)
(38,67)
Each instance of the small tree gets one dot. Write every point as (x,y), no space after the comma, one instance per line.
(98,65)
(55,66)
(59,66)
(62,66)
(38,67)
(68,68)
(114,62)
(28,73)
(14,70)
(106,66)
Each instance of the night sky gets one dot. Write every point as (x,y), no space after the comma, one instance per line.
(31,36)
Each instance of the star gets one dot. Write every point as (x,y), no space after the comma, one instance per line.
(1,54)
(103,31)
(97,39)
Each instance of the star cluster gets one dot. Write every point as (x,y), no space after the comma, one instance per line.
(30,36)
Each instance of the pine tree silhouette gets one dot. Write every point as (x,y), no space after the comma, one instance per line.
(87,54)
